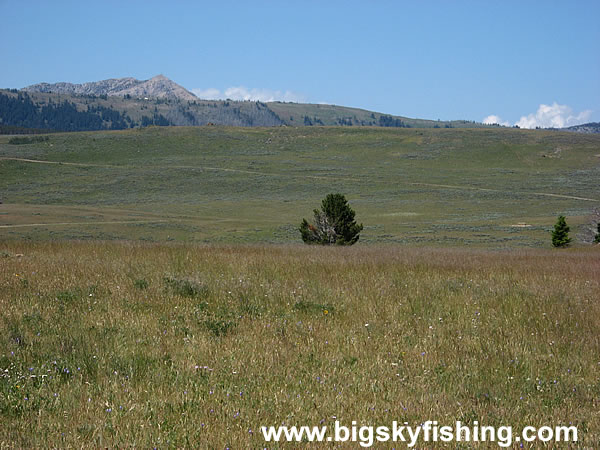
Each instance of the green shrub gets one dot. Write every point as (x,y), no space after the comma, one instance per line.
(27,140)
(220,327)
(141,284)
(67,296)
(311,307)
(186,287)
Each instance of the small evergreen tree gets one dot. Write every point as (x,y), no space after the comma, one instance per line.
(597,238)
(333,224)
(560,235)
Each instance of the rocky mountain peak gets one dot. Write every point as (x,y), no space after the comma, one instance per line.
(156,87)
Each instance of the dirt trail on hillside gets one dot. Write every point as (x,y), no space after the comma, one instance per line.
(449,186)
(60,163)
(252,172)
(81,223)
(223,169)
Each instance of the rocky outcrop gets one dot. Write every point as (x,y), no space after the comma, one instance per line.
(156,87)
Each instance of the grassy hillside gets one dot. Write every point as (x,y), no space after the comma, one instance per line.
(141,111)
(136,112)
(123,345)
(293,114)
(485,187)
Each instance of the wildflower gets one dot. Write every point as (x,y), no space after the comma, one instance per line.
(325,312)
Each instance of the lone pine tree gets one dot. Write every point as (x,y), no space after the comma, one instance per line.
(333,224)
(560,235)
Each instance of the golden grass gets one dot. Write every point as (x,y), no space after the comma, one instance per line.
(120,344)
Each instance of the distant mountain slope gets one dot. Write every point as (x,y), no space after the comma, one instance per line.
(120,103)
(68,112)
(298,114)
(592,127)
(156,87)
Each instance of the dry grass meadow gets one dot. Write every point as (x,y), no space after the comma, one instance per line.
(154,345)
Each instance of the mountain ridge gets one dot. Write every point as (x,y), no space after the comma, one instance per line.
(193,110)
(158,86)
(589,128)
(119,103)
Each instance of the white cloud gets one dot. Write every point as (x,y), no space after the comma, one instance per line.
(553,116)
(547,116)
(207,94)
(493,119)
(254,94)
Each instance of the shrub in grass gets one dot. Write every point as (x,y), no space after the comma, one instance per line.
(141,284)
(14,331)
(220,327)
(200,307)
(67,296)
(27,140)
(250,309)
(220,322)
(312,307)
(186,287)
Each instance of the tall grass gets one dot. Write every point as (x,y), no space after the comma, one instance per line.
(116,344)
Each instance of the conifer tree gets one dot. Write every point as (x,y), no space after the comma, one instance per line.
(333,224)
(560,235)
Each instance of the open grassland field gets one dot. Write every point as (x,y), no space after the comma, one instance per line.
(492,188)
(171,345)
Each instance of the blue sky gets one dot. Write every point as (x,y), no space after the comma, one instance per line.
(428,59)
